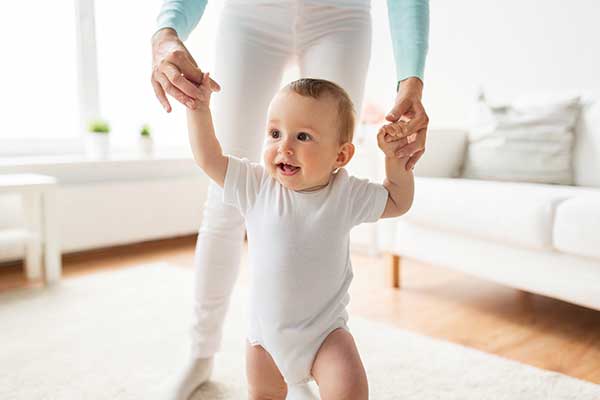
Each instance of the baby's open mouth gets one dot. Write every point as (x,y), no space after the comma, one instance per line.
(287,169)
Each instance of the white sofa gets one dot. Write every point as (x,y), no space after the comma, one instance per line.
(539,238)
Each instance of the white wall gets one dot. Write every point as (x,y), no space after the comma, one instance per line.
(506,46)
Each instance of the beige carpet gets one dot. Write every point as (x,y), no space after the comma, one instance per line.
(119,334)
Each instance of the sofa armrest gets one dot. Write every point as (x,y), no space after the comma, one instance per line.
(444,154)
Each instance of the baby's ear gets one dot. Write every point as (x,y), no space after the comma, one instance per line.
(345,154)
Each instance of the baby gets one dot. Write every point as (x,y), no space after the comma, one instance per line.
(299,208)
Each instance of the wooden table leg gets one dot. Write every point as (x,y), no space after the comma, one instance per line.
(394,270)
(52,259)
(33,249)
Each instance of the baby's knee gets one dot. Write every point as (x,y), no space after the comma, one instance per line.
(257,392)
(355,389)
(263,385)
(265,382)
(349,390)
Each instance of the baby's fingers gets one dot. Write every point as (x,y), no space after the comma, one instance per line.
(205,88)
(205,83)
(389,132)
(382,138)
(384,131)
(388,135)
(398,128)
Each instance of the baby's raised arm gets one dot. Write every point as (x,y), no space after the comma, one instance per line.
(398,181)
(205,146)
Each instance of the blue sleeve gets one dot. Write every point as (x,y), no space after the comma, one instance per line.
(409,28)
(181,15)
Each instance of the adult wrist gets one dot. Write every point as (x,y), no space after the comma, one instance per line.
(413,83)
(163,33)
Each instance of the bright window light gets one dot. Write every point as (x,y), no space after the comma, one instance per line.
(127,100)
(38,69)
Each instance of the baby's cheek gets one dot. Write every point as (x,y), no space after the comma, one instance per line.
(268,155)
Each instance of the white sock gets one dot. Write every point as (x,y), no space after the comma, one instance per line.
(196,372)
(302,391)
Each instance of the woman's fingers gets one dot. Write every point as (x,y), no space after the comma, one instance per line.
(185,64)
(392,145)
(399,109)
(174,71)
(173,91)
(415,143)
(214,86)
(191,71)
(410,164)
(407,151)
(400,144)
(419,121)
(160,95)
(177,79)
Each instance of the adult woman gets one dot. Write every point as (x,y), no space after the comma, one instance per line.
(256,40)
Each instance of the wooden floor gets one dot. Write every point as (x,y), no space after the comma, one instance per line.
(433,301)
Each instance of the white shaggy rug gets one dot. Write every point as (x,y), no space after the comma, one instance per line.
(120,334)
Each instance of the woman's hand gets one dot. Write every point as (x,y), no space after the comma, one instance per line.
(412,134)
(174,71)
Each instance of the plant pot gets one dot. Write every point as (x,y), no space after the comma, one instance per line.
(97,145)
(146,146)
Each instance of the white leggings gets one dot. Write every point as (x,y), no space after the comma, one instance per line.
(256,41)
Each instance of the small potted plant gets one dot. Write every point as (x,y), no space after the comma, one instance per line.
(146,144)
(98,138)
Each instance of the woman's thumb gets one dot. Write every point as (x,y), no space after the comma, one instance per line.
(398,110)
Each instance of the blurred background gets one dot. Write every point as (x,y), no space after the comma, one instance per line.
(507,47)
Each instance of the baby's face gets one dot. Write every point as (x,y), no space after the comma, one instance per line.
(302,146)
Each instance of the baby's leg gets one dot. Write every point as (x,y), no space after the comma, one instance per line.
(338,369)
(265,382)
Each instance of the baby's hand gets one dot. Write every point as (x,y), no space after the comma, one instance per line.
(392,137)
(205,91)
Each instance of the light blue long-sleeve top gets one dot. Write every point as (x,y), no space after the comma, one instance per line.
(409,28)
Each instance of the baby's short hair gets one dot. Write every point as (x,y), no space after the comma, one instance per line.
(317,88)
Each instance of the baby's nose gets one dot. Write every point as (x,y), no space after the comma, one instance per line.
(285,148)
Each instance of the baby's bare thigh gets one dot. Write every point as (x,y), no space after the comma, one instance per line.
(339,370)
(264,379)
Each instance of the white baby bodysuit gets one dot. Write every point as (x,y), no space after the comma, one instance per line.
(299,258)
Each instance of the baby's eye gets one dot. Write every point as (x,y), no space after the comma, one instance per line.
(274,134)
(303,136)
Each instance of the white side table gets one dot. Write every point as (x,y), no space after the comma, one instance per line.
(38,193)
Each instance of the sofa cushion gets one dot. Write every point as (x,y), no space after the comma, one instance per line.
(512,213)
(577,226)
(522,141)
